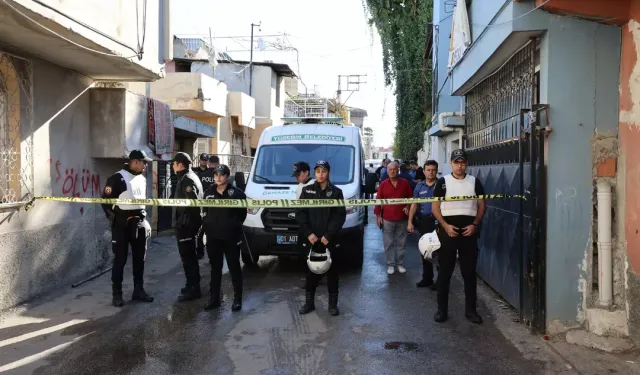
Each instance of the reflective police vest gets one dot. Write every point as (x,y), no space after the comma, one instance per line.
(136,189)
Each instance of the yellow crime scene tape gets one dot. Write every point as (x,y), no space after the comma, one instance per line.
(266,203)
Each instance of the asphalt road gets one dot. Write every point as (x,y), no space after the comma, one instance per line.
(385,327)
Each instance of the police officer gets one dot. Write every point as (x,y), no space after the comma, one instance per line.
(188,221)
(223,228)
(203,164)
(458,234)
(321,225)
(302,173)
(424,219)
(128,225)
(213,162)
(206,178)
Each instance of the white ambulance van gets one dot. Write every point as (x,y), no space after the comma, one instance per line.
(274,231)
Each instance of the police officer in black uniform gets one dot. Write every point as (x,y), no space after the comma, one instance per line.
(128,225)
(321,224)
(188,221)
(206,178)
(203,164)
(223,228)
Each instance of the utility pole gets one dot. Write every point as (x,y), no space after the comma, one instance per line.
(251,60)
(353,84)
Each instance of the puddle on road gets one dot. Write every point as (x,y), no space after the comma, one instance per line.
(402,345)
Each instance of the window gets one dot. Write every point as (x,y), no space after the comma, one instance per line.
(182,66)
(237,143)
(275,162)
(201,146)
(16,135)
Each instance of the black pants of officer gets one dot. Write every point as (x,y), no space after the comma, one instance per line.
(125,232)
(229,249)
(187,248)
(313,279)
(467,250)
(200,244)
(426,224)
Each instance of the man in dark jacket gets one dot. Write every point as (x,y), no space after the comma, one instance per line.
(321,226)
(188,220)
(223,228)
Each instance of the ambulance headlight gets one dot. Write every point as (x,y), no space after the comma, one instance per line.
(351,209)
(253,210)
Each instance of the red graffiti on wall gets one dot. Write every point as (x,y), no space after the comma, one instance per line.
(77,182)
(87,180)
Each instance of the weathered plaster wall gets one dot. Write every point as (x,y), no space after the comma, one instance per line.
(629,167)
(54,244)
(579,72)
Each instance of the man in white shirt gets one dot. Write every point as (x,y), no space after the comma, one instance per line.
(301,171)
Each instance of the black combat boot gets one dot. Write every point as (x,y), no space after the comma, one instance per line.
(190,293)
(309,304)
(213,303)
(139,294)
(117,300)
(237,302)
(333,304)
(473,317)
(441,316)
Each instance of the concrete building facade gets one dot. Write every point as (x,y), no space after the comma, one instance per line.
(54,54)
(571,68)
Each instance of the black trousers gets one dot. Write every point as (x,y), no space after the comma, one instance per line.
(467,250)
(186,237)
(216,250)
(426,224)
(125,232)
(200,244)
(332,275)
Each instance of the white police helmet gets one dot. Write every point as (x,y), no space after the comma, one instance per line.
(319,263)
(428,244)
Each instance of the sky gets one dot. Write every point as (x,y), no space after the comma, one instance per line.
(332,37)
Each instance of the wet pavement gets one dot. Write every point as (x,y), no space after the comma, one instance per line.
(385,327)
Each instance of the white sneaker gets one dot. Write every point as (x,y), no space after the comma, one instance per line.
(401,269)
(391,270)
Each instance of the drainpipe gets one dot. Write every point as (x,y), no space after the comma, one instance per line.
(441,118)
(605,269)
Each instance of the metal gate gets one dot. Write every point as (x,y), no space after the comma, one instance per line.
(506,152)
(166,183)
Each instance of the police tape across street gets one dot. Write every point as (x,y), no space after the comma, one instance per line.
(267,203)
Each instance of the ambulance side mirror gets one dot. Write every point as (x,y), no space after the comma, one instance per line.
(241,182)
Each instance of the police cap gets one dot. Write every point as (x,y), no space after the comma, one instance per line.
(323,164)
(222,169)
(300,166)
(458,154)
(139,155)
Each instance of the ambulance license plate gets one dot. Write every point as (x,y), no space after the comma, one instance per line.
(284,239)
